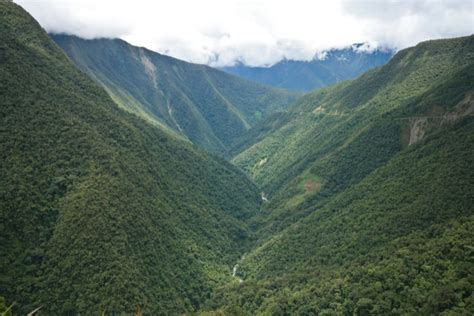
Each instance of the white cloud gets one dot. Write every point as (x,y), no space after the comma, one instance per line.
(256,32)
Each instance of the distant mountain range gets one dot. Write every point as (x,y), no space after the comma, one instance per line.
(209,107)
(332,66)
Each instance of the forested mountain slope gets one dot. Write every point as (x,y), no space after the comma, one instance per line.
(367,184)
(370,191)
(397,243)
(99,210)
(334,66)
(208,106)
(333,138)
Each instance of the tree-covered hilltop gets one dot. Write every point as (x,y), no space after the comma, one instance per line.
(370,188)
(99,210)
(209,107)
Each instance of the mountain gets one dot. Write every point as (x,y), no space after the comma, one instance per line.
(333,66)
(339,134)
(357,199)
(209,107)
(370,191)
(100,211)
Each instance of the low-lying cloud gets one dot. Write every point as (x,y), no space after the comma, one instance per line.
(255,32)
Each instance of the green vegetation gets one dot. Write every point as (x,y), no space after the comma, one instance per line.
(399,242)
(99,210)
(388,228)
(342,133)
(4,309)
(369,185)
(209,107)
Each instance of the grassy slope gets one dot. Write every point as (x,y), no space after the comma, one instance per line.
(98,209)
(359,221)
(208,106)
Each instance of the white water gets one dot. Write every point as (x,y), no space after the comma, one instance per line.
(234,270)
(234,273)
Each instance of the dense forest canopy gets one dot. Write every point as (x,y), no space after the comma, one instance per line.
(101,211)
(370,194)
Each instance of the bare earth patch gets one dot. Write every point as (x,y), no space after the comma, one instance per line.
(311,186)
(417,129)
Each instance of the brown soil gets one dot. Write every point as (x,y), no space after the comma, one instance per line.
(311,186)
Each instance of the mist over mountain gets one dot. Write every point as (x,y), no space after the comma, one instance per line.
(327,68)
(257,32)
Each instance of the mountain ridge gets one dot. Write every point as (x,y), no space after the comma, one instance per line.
(207,106)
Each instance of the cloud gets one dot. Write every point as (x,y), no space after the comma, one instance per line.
(88,19)
(255,32)
(405,23)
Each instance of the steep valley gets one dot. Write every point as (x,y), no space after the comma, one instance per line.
(370,194)
(355,199)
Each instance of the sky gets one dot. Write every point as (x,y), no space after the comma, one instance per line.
(256,32)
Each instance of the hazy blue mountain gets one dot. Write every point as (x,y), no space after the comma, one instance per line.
(337,65)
